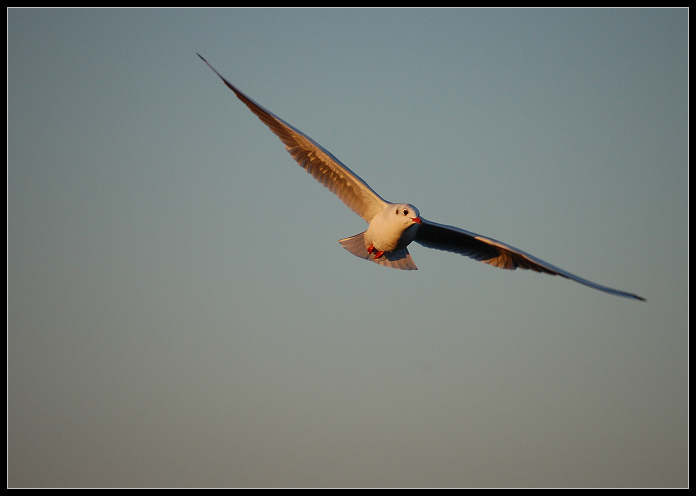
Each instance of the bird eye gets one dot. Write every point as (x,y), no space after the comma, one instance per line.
(405,211)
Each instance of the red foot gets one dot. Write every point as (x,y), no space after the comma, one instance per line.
(371,249)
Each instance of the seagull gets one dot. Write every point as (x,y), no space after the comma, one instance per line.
(393,226)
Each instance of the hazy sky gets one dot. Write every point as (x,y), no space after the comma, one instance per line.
(181,314)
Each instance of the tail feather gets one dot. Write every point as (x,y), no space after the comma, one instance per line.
(399,259)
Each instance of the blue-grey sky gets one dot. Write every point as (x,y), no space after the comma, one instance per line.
(181,314)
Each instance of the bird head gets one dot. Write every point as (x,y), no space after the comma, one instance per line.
(407,214)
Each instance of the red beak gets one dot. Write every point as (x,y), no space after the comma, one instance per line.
(417,220)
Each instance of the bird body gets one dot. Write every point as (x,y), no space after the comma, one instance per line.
(389,232)
(391,226)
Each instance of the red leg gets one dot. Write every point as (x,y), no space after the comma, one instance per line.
(371,249)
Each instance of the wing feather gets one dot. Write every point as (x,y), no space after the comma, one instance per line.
(316,160)
(490,251)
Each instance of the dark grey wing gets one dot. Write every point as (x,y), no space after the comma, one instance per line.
(316,160)
(490,251)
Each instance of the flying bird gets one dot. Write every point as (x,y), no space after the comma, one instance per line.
(393,226)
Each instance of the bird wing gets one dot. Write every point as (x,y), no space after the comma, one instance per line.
(317,160)
(490,251)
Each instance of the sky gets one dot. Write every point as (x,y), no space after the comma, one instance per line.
(180,313)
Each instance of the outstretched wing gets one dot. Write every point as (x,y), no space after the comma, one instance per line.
(316,160)
(490,251)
